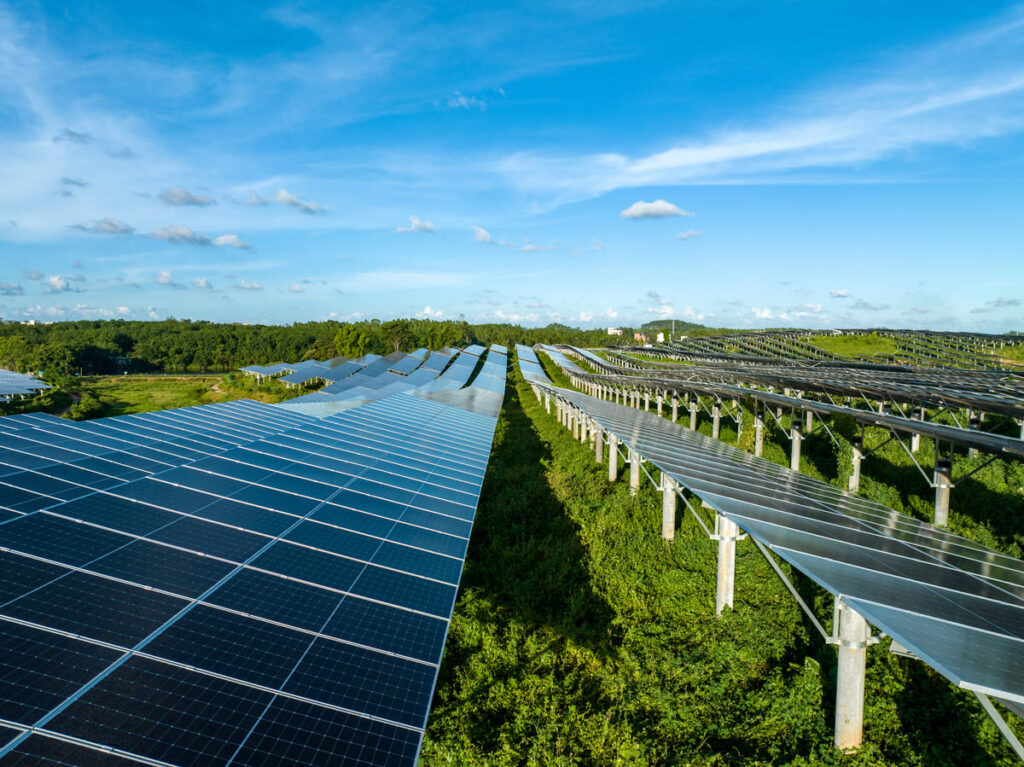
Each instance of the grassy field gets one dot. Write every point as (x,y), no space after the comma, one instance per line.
(580,638)
(119,395)
(856,346)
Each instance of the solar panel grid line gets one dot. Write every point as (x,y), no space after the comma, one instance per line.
(123,757)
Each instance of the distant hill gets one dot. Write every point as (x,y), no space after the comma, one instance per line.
(682,326)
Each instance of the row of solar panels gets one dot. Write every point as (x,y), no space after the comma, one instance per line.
(19,384)
(954,603)
(237,583)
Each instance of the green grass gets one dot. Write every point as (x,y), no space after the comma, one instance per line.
(856,346)
(580,638)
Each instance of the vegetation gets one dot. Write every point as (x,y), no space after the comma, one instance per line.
(579,638)
(872,345)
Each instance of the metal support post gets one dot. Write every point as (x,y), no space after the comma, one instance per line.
(584,428)
(613,458)
(598,444)
(675,408)
(915,439)
(716,420)
(634,472)
(796,437)
(575,424)
(668,507)
(853,641)
(727,532)
(943,484)
(758,431)
(693,414)
(661,401)
(810,421)
(647,400)
(547,402)
(858,456)
(974,424)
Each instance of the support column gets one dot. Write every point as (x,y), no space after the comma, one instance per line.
(853,642)
(915,439)
(810,421)
(974,424)
(796,437)
(727,533)
(758,430)
(634,472)
(943,484)
(660,402)
(693,414)
(599,444)
(547,402)
(584,428)
(716,420)
(668,507)
(858,456)
(575,424)
(613,458)
(647,400)
(675,408)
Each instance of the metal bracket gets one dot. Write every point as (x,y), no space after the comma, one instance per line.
(1001,724)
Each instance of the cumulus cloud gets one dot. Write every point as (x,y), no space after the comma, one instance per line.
(688,234)
(246,285)
(230,241)
(305,206)
(57,284)
(166,277)
(662,307)
(66,181)
(180,235)
(416,225)
(105,226)
(656,209)
(180,196)
(1003,302)
(482,235)
(431,313)
(839,293)
(202,283)
(11,289)
(73,137)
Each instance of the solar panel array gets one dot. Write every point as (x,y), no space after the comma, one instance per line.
(14,384)
(956,604)
(233,584)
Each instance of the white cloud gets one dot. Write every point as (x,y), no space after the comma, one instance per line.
(430,313)
(255,200)
(179,196)
(296,288)
(460,101)
(663,308)
(1003,302)
(123,310)
(416,225)
(688,234)
(656,209)
(11,289)
(839,293)
(57,284)
(202,283)
(180,235)
(305,206)
(231,241)
(166,277)
(105,226)
(245,285)
(482,235)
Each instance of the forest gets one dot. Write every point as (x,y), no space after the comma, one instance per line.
(89,347)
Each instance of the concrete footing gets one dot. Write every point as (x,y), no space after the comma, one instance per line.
(943,484)
(613,458)
(796,437)
(716,420)
(853,641)
(727,534)
(693,414)
(634,472)
(668,507)
(858,457)
(599,444)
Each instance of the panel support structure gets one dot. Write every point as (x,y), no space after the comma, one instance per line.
(716,420)
(943,484)
(675,408)
(598,444)
(853,643)
(613,457)
(796,437)
(858,457)
(758,431)
(693,414)
(727,533)
(634,472)
(668,507)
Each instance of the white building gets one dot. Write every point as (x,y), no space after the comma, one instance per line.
(615,331)
(661,338)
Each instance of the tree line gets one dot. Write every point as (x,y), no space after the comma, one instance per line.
(96,347)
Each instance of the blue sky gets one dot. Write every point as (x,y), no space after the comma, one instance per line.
(741,164)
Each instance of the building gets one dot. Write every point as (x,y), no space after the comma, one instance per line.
(615,331)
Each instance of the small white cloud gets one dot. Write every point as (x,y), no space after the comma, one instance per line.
(296,288)
(460,101)
(179,196)
(105,226)
(166,277)
(202,283)
(11,289)
(656,209)
(688,234)
(431,313)
(180,235)
(482,235)
(57,284)
(255,200)
(839,293)
(305,206)
(230,241)
(246,285)
(123,310)
(416,225)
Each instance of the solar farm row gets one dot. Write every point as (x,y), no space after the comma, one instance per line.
(237,583)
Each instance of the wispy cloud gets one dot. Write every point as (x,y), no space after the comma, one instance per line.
(79,182)
(255,200)
(180,196)
(1003,302)
(482,235)
(839,293)
(656,209)
(305,206)
(689,234)
(11,289)
(105,226)
(73,136)
(458,100)
(230,241)
(180,235)
(417,225)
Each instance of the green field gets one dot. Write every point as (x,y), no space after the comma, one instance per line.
(856,346)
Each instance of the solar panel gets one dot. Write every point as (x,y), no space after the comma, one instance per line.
(281,597)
